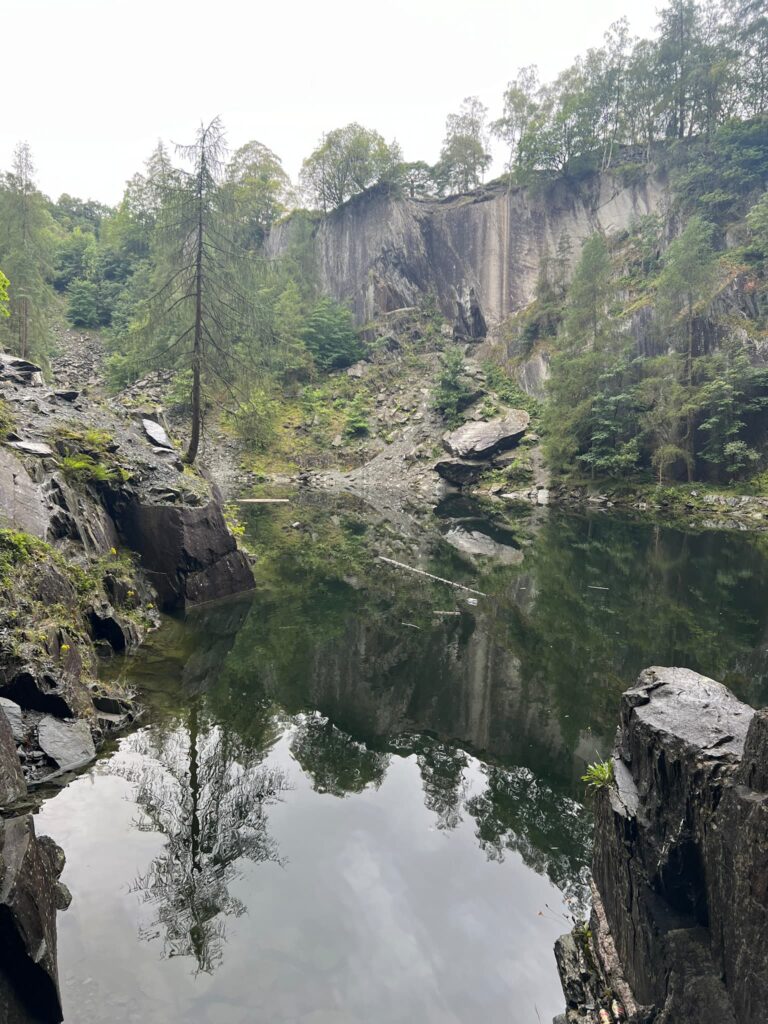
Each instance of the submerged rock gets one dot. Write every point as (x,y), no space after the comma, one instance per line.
(474,542)
(481,440)
(680,864)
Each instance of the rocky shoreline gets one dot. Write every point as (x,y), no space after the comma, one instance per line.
(679,923)
(101,527)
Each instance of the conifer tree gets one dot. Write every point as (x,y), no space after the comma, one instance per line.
(27,231)
(201,306)
(686,286)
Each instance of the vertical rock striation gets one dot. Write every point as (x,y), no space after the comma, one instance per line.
(680,922)
(478,254)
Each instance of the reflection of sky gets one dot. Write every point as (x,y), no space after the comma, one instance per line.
(373,915)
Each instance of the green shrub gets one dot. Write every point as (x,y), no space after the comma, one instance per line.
(329,334)
(356,424)
(84,469)
(255,419)
(452,393)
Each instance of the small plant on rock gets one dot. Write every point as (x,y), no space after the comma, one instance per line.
(599,775)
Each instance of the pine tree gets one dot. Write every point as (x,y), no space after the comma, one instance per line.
(686,286)
(27,231)
(201,306)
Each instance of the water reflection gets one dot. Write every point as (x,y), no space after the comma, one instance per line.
(206,793)
(355,667)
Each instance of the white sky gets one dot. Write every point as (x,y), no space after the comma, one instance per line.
(92,84)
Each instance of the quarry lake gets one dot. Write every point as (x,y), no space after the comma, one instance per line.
(355,796)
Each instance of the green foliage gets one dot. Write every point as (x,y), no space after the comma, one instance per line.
(84,469)
(254,420)
(27,240)
(4,310)
(599,775)
(7,422)
(464,157)
(259,190)
(508,390)
(453,390)
(348,161)
(757,219)
(329,334)
(356,423)
(16,548)
(720,180)
(693,410)
(83,304)
(88,456)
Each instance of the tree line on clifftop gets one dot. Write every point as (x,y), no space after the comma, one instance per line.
(651,336)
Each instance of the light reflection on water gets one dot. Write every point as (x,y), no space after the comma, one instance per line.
(347,807)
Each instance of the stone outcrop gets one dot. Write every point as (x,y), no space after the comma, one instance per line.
(483,439)
(479,254)
(12,784)
(30,895)
(188,553)
(460,472)
(680,922)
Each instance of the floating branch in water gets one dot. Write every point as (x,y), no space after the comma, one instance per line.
(421,572)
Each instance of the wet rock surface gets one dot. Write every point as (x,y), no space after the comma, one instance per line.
(680,920)
(188,553)
(86,486)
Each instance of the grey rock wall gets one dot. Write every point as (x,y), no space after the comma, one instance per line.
(383,252)
(680,862)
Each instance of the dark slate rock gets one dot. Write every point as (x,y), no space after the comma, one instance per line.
(188,553)
(459,471)
(12,784)
(68,743)
(481,440)
(106,624)
(680,859)
(67,396)
(29,894)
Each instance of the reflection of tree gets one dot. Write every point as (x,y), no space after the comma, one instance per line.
(206,792)
(442,776)
(335,762)
(551,832)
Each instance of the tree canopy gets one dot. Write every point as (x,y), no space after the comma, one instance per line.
(347,161)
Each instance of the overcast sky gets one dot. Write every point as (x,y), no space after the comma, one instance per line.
(92,84)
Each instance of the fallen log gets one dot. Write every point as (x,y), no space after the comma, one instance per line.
(429,575)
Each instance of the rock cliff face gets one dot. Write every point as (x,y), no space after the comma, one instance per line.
(478,254)
(680,925)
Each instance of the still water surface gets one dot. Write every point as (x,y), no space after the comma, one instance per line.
(356,796)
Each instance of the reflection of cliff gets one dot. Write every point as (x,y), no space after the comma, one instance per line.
(381,679)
